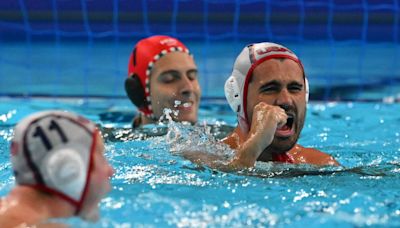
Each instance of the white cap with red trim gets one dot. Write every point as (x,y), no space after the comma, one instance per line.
(251,56)
(53,151)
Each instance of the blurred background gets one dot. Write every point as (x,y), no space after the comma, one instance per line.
(80,48)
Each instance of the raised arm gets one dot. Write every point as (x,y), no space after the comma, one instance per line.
(247,146)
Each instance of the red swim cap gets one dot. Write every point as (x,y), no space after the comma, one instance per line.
(143,57)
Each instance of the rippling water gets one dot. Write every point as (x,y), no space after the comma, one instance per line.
(155,187)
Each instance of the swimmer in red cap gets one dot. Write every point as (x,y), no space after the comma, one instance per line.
(269,91)
(59,168)
(162,74)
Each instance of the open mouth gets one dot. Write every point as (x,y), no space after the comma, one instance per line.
(183,104)
(287,129)
(289,122)
(187,104)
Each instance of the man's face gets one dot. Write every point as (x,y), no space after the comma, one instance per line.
(99,184)
(280,82)
(174,85)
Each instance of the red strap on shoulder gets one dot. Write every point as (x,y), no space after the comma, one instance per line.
(284,157)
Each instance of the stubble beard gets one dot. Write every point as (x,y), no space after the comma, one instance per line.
(282,145)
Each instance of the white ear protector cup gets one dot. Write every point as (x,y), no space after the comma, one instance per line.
(232,93)
(64,169)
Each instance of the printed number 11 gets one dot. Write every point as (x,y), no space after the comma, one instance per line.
(53,126)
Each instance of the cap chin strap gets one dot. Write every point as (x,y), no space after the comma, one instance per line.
(243,125)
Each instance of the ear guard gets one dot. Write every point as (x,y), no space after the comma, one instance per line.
(135,91)
(65,169)
(233,94)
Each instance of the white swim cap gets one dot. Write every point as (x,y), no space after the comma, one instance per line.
(53,151)
(251,56)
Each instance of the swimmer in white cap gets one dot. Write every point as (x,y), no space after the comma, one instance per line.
(268,90)
(60,170)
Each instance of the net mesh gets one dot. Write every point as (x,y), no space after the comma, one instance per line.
(350,48)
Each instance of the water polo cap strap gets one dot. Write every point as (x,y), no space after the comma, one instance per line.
(89,171)
(284,157)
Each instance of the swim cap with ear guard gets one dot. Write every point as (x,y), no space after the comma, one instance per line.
(143,57)
(52,151)
(236,85)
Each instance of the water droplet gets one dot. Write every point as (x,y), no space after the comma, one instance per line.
(176,103)
(226,204)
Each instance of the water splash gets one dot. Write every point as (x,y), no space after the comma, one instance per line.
(183,137)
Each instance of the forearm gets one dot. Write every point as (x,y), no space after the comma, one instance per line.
(248,152)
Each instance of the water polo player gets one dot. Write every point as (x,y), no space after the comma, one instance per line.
(59,168)
(162,74)
(268,90)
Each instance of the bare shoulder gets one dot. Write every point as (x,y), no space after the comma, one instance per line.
(15,214)
(7,218)
(312,156)
(10,218)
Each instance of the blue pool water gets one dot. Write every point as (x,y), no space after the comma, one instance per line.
(153,187)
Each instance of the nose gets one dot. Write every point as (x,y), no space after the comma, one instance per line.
(187,87)
(283,98)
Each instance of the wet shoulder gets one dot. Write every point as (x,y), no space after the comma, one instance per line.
(9,216)
(311,156)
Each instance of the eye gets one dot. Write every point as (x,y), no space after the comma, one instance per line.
(169,77)
(192,75)
(269,89)
(295,88)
